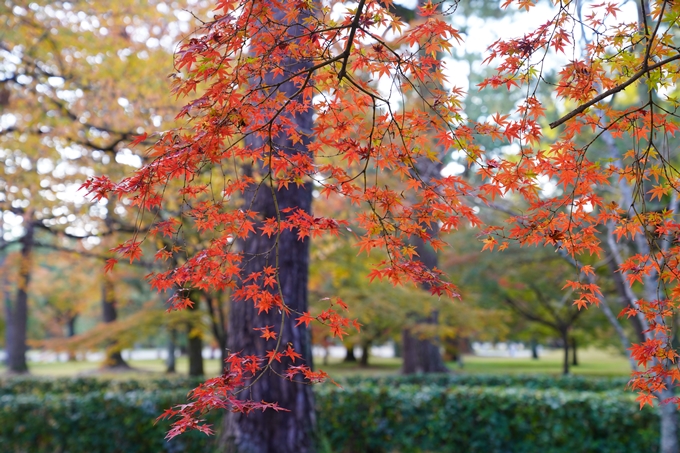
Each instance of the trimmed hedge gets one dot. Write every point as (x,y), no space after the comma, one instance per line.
(540,381)
(82,385)
(21,385)
(463,419)
(95,422)
(374,415)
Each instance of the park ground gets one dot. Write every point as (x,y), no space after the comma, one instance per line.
(592,362)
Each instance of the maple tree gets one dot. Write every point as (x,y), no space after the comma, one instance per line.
(293,96)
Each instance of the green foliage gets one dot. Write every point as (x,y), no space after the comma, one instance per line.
(534,381)
(39,386)
(102,422)
(436,413)
(410,418)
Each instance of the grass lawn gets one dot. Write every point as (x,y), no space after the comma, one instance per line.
(592,362)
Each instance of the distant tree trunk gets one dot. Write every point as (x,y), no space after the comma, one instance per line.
(462,348)
(534,349)
(70,333)
(195,341)
(171,361)
(17,315)
(326,352)
(349,353)
(364,354)
(397,349)
(195,353)
(71,326)
(574,358)
(113,359)
(218,323)
(565,343)
(423,355)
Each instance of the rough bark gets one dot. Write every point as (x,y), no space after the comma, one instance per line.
(17,313)
(271,431)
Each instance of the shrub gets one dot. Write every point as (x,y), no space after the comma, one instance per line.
(536,381)
(103,422)
(408,418)
(22,385)
(367,415)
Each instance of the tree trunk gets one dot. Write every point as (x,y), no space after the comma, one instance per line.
(217,323)
(349,354)
(423,355)
(17,315)
(565,343)
(171,361)
(326,353)
(534,349)
(195,353)
(270,431)
(364,355)
(462,348)
(574,358)
(70,333)
(195,338)
(113,359)
(669,423)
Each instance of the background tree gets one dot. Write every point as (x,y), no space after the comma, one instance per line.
(79,81)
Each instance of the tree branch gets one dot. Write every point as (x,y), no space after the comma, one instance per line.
(582,108)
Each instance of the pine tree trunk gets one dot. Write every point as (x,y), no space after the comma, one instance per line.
(17,315)
(271,431)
